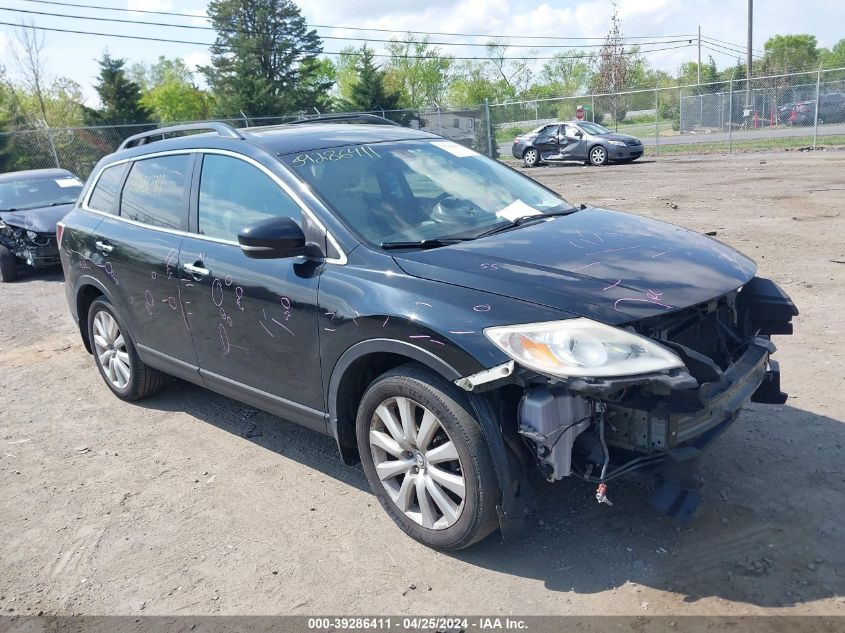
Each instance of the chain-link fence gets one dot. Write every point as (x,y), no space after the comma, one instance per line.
(777,112)
(79,148)
(774,112)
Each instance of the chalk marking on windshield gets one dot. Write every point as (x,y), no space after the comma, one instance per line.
(482,308)
(585,266)
(335,155)
(660,253)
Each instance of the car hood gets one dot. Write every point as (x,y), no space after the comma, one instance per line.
(40,220)
(607,265)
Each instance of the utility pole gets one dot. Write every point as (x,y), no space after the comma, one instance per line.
(699,53)
(748,53)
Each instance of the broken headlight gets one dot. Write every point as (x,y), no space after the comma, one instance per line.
(581,348)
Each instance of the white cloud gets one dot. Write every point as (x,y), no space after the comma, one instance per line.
(197,58)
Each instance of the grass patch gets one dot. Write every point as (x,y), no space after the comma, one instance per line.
(721,147)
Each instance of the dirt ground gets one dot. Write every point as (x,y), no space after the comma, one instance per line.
(191,503)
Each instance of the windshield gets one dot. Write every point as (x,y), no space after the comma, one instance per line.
(593,128)
(411,191)
(32,193)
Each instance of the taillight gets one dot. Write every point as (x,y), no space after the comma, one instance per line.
(516,139)
(60,229)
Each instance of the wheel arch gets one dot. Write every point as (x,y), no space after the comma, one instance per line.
(89,289)
(356,369)
(366,360)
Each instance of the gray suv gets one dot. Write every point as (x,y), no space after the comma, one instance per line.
(575,141)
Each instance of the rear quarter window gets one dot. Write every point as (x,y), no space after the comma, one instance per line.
(155,192)
(105,190)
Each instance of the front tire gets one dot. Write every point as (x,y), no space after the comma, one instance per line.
(8,264)
(598,155)
(531,157)
(116,357)
(426,459)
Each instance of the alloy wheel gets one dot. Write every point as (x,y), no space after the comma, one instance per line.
(110,348)
(598,155)
(417,463)
(531,157)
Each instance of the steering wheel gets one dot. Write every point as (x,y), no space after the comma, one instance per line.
(445,212)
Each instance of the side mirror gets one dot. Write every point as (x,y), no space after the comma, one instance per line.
(579,134)
(272,239)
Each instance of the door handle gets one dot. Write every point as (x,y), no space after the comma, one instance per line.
(197,271)
(103,247)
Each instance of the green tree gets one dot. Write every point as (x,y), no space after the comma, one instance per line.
(418,71)
(475,81)
(369,92)
(790,53)
(120,97)
(346,72)
(164,70)
(169,91)
(835,57)
(264,58)
(568,73)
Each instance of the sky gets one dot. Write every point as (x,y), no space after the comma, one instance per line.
(74,56)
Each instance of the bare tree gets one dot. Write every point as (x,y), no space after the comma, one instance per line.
(29,60)
(614,67)
(516,73)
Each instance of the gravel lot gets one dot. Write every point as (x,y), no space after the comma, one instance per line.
(191,503)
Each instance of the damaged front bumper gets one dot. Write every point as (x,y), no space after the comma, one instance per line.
(602,428)
(36,249)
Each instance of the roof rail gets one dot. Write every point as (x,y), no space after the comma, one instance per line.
(143,138)
(373,119)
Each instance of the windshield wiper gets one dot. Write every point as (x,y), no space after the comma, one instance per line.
(436,242)
(525,219)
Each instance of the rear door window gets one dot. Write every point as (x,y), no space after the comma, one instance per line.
(155,192)
(105,191)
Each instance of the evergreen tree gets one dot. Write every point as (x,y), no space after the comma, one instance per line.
(264,60)
(120,97)
(369,93)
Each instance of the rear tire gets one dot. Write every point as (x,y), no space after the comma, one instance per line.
(426,458)
(124,372)
(8,264)
(531,157)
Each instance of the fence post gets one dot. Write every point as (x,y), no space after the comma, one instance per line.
(53,145)
(537,113)
(489,128)
(656,121)
(730,115)
(816,115)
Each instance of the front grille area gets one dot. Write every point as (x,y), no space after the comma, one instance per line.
(708,328)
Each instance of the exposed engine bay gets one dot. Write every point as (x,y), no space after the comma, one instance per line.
(36,249)
(599,429)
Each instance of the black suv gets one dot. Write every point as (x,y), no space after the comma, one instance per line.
(454,325)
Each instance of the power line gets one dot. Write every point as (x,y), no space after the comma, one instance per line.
(324,37)
(724,49)
(358,28)
(338,53)
(734,44)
